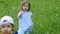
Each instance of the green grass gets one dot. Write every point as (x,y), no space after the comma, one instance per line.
(46,14)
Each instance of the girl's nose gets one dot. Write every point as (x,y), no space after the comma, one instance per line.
(5,28)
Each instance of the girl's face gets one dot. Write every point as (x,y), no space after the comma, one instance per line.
(25,7)
(6,29)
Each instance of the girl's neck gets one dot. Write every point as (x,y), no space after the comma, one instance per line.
(25,11)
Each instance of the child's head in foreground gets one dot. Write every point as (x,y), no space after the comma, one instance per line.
(7,25)
(25,6)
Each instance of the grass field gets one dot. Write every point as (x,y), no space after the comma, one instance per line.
(46,14)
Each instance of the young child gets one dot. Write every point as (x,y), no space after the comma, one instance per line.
(7,25)
(25,21)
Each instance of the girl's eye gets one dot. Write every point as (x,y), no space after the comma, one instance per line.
(26,6)
(8,26)
(3,26)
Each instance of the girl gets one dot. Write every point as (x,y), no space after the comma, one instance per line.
(25,21)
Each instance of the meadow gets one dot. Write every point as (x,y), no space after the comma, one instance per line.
(45,14)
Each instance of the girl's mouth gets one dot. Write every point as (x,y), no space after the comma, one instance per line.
(5,32)
(25,9)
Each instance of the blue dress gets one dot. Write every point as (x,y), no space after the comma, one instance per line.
(25,22)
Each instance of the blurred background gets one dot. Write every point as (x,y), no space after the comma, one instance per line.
(46,14)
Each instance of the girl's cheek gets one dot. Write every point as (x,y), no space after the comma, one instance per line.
(10,29)
(2,29)
(24,8)
(27,8)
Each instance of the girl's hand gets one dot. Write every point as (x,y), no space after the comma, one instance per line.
(20,13)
